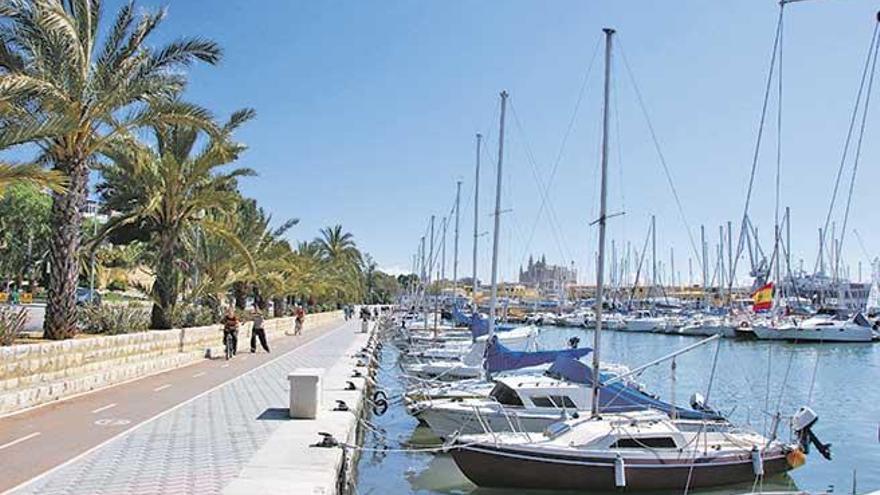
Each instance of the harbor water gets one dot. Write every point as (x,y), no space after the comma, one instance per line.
(753,380)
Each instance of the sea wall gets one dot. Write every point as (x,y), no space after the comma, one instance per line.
(35,374)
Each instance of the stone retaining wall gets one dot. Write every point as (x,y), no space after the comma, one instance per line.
(34,374)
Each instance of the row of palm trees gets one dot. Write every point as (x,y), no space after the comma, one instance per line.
(80,94)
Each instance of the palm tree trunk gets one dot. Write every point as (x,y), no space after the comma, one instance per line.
(66,219)
(239,290)
(278,306)
(166,285)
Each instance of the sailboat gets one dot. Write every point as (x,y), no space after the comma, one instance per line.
(639,450)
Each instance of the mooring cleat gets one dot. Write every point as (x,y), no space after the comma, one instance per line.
(327,441)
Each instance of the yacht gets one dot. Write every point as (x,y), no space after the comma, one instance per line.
(704,326)
(819,328)
(644,321)
(462,364)
(578,318)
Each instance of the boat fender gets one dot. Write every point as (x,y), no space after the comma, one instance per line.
(757,462)
(796,458)
(619,472)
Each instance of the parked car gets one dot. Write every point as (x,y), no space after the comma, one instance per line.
(84,296)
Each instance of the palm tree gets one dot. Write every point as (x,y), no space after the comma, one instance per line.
(171,188)
(71,93)
(310,274)
(32,174)
(268,249)
(338,246)
(344,261)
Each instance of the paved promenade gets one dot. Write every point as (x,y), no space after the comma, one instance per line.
(190,430)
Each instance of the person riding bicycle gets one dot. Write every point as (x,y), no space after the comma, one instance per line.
(230,328)
(300,319)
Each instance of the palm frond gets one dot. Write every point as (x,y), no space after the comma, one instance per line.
(32,174)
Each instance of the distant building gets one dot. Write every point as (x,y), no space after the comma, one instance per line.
(547,279)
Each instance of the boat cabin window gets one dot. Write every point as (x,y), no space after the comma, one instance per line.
(639,443)
(505,395)
(557,401)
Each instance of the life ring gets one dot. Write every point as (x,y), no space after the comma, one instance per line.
(380,395)
(743,324)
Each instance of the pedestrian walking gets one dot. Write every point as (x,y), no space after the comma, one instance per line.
(300,319)
(258,332)
(365,319)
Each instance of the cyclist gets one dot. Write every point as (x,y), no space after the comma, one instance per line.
(230,327)
(300,319)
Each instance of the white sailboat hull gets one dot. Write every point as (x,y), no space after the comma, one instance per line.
(839,332)
(450,422)
(645,325)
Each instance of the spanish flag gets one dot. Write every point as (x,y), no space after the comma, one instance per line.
(762,299)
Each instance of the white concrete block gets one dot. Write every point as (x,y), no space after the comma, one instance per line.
(305,392)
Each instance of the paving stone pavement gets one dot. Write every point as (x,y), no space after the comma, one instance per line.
(201,446)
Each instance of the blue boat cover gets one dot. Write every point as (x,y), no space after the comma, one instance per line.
(619,397)
(480,326)
(500,358)
(459,318)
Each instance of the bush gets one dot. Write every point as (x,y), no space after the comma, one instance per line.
(110,319)
(12,322)
(193,315)
(118,285)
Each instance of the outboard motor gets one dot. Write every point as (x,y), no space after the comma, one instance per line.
(574,342)
(802,424)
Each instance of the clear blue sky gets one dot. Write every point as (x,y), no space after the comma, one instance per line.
(367,112)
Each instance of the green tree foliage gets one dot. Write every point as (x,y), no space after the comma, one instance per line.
(86,94)
(71,84)
(30,174)
(24,231)
(168,188)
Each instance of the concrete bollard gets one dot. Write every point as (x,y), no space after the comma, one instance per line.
(305,392)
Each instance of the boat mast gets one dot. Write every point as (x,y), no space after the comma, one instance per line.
(653,254)
(455,247)
(476,218)
(730,250)
(493,300)
(705,254)
(430,269)
(441,279)
(600,268)
(443,225)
